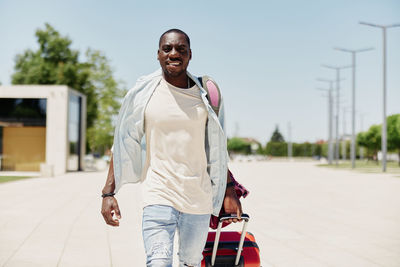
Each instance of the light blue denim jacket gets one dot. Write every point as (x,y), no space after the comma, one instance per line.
(129,147)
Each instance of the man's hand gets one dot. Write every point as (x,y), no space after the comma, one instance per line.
(109,208)
(232,204)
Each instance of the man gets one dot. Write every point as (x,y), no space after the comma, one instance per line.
(184,178)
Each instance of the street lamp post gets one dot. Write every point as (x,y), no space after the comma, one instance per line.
(361,130)
(337,107)
(290,146)
(353,109)
(345,109)
(384,126)
(330,117)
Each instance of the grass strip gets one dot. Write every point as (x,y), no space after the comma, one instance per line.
(5,179)
(365,166)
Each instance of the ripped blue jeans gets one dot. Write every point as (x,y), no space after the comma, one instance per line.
(159,225)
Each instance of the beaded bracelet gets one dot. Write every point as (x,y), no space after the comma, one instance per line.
(107,195)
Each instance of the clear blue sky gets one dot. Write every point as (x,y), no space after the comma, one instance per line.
(265,55)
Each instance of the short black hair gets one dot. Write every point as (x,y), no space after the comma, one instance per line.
(176,31)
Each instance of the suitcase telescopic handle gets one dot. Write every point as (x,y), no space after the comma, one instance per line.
(223,218)
(228,216)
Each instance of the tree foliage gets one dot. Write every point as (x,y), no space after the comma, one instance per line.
(276,149)
(371,139)
(238,145)
(393,133)
(108,92)
(280,149)
(55,62)
(277,136)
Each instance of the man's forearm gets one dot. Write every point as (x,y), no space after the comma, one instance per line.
(109,187)
(231,202)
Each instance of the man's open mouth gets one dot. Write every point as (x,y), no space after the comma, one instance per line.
(174,63)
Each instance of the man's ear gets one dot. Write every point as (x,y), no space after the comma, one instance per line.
(158,52)
(190,54)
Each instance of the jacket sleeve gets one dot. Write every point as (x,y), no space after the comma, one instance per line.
(221,115)
(121,136)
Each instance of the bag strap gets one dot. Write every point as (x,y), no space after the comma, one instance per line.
(213,92)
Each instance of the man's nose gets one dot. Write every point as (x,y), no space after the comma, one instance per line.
(174,53)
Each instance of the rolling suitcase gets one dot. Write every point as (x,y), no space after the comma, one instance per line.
(229,249)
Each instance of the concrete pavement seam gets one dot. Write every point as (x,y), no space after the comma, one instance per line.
(109,246)
(70,231)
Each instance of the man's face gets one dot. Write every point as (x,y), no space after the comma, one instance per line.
(174,54)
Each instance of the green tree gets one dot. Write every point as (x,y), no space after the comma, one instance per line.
(371,139)
(239,145)
(393,133)
(277,136)
(361,141)
(324,150)
(318,150)
(56,63)
(303,150)
(277,149)
(108,92)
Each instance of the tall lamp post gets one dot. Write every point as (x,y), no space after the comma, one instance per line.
(384,126)
(330,117)
(337,107)
(361,130)
(290,146)
(345,109)
(353,106)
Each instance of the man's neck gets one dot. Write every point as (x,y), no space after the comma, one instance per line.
(180,81)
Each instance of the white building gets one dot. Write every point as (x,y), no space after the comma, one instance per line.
(42,128)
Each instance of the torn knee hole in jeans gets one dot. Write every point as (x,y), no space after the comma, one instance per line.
(160,250)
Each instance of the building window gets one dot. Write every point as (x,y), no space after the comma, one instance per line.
(74,133)
(22,133)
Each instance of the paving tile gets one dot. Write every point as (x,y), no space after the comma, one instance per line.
(301,215)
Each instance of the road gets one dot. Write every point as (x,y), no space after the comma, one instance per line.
(301,215)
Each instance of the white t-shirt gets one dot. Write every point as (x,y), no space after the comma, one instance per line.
(176,163)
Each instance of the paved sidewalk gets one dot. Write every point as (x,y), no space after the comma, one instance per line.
(302,215)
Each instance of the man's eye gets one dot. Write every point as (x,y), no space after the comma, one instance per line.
(167,49)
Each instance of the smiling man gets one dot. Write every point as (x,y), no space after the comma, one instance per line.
(184,176)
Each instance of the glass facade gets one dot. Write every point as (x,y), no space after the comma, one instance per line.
(22,133)
(23,111)
(74,133)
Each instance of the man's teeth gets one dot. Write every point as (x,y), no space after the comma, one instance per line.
(175,63)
